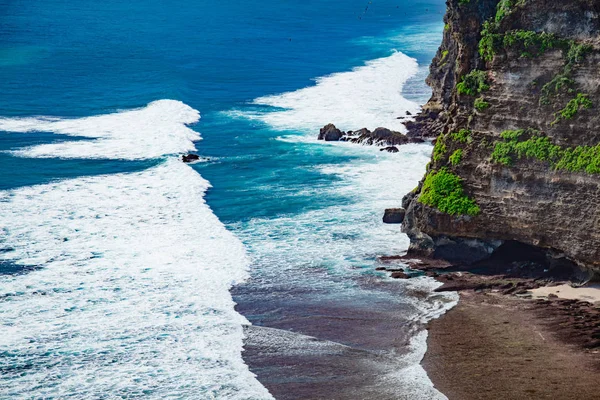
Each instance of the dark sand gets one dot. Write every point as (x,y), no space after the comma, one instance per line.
(310,346)
(499,347)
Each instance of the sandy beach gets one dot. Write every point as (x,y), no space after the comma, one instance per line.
(492,346)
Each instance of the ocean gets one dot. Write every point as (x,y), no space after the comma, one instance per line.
(125,273)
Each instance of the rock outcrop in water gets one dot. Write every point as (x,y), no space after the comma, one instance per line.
(188,158)
(330,133)
(516,92)
(394,216)
(379,137)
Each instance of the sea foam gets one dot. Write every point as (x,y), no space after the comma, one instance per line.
(349,234)
(128,295)
(368,96)
(148,132)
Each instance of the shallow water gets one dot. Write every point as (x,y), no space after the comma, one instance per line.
(115,264)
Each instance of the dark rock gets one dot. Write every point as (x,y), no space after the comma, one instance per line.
(390,149)
(408,113)
(187,158)
(400,275)
(394,215)
(380,137)
(380,269)
(330,133)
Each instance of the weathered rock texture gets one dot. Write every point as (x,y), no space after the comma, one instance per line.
(378,137)
(394,216)
(528,200)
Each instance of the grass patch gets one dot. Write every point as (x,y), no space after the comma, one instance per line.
(444,191)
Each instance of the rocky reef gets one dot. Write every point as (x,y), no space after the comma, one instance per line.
(516,91)
(379,137)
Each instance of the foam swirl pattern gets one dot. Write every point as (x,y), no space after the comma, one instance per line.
(128,289)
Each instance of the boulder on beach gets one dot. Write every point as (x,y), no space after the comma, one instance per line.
(330,133)
(394,216)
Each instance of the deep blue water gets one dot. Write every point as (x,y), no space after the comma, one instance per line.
(281,193)
(84,58)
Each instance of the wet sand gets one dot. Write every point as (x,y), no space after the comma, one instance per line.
(499,347)
(312,346)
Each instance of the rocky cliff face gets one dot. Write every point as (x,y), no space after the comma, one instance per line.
(516,94)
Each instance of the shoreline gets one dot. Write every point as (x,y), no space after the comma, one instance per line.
(511,335)
(364,347)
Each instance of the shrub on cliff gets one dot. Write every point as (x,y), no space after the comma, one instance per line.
(573,107)
(439,150)
(444,190)
(473,83)
(463,136)
(537,147)
(456,157)
(481,105)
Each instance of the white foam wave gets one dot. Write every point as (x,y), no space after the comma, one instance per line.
(149,132)
(133,298)
(331,243)
(368,96)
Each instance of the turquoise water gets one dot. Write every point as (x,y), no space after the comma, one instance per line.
(115,272)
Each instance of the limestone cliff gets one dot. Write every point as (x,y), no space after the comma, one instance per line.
(516,93)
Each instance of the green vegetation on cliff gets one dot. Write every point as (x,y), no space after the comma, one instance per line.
(561,82)
(456,157)
(463,136)
(481,105)
(444,190)
(505,7)
(538,147)
(439,150)
(529,43)
(473,83)
(581,101)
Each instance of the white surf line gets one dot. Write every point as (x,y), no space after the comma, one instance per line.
(368,96)
(133,295)
(149,132)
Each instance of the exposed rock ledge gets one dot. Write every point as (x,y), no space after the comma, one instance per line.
(378,137)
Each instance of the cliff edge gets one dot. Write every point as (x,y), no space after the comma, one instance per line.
(516,93)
